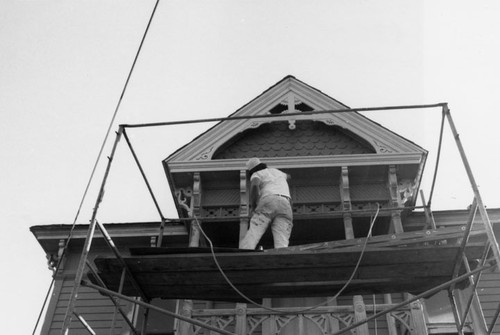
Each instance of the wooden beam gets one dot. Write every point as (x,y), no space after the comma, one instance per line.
(391,321)
(187,308)
(360,315)
(241,319)
(345,196)
(194,234)
(244,205)
(395,200)
(417,316)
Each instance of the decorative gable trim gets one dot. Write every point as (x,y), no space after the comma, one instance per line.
(291,91)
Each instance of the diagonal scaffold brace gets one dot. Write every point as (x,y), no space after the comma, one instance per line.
(88,242)
(481,208)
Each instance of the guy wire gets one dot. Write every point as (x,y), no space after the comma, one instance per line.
(70,234)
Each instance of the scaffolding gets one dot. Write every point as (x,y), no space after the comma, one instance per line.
(490,254)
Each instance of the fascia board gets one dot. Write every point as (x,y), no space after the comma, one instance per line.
(300,162)
(115,230)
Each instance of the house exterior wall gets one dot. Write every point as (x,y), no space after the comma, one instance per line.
(97,310)
(489,295)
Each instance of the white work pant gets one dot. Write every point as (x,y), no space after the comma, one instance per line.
(275,210)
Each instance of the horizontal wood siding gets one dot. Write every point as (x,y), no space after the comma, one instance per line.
(489,294)
(96,309)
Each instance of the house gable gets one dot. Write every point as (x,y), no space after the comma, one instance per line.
(286,97)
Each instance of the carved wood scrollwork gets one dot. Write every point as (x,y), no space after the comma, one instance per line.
(53,260)
(254,323)
(205,154)
(404,320)
(406,189)
(381,148)
(221,322)
(329,122)
(254,124)
(184,196)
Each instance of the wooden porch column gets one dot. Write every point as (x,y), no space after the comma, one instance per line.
(345,196)
(241,319)
(268,325)
(333,322)
(186,328)
(360,315)
(417,316)
(244,206)
(391,322)
(194,234)
(395,200)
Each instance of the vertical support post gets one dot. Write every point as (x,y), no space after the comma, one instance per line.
(429,219)
(333,322)
(301,325)
(269,325)
(345,196)
(194,236)
(418,320)
(60,252)
(391,321)
(395,200)
(145,322)
(360,315)
(88,242)
(456,312)
(241,319)
(482,210)
(160,234)
(244,205)
(185,328)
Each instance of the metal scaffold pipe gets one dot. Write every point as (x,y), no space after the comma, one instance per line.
(482,210)
(278,116)
(88,242)
(156,308)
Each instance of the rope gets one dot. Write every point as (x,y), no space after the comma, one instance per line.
(115,113)
(241,294)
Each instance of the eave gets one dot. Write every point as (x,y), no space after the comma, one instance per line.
(123,234)
(301,162)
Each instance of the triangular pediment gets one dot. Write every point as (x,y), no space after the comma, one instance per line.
(291,136)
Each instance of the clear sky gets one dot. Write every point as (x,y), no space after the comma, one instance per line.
(63,65)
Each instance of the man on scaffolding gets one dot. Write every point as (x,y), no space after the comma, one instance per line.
(270,199)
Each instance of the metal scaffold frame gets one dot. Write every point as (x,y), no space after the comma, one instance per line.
(491,245)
